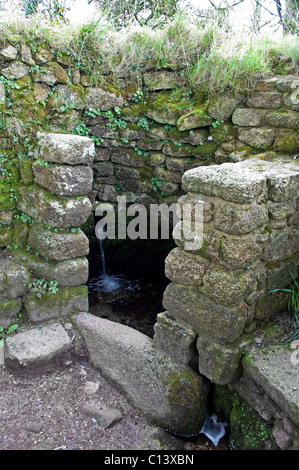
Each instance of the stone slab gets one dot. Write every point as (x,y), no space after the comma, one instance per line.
(208,318)
(64,180)
(14,278)
(36,346)
(175,338)
(51,210)
(246,181)
(59,246)
(172,396)
(275,369)
(67,301)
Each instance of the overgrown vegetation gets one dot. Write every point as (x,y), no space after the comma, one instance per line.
(293,306)
(211,56)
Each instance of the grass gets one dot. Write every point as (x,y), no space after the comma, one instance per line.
(212,58)
(293,305)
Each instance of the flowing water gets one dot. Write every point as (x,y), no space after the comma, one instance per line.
(132,300)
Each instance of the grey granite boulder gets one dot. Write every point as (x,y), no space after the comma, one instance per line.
(36,346)
(172,396)
(65,148)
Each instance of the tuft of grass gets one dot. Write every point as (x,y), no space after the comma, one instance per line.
(293,305)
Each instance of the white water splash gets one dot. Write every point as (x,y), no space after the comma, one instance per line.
(212,429)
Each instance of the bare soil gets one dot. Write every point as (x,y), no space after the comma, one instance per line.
(41,411)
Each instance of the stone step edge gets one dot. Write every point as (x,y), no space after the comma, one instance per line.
(45,347)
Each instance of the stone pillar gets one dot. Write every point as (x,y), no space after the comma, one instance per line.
(250,243)
(58,205)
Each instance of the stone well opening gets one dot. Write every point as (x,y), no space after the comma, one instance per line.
(127,277)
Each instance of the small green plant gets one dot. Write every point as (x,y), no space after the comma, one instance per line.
(4,172)
(41,287)
(108,114)
(66,107)
(24,218)
(41,162)
(82,129)
(91,112)
(143,122)
(138,96)
(140,152)
(12,195)
(293,304)
(13,246)
(157,184)
(217,123)
(116,122)
(5,332)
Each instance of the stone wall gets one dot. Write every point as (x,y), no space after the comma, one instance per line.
(54,260)
(145,151)
(148,128)
(218,303)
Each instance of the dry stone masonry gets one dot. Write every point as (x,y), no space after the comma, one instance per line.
(68,144)
(56,247)
(250,246)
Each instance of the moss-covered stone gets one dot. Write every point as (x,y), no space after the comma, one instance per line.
(9,311)
(222,107)
(7,197)
(194,119)
(43,54)
(24,104)
(26,172)
(248,430)
(67,96)
(48,209)
(6,235)
(20,233)
(283,118)
(223,132)
(185,395)
(166,107)
(57,71)
(287,142)
(269,305)
(66,302)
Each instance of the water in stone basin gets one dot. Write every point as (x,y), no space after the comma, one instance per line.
(110,283)
(124,298)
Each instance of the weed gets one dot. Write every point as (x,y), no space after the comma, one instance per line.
(41,287)
(293,305)
(157,184)
(5,332)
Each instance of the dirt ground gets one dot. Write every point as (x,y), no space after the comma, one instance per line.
(43,411)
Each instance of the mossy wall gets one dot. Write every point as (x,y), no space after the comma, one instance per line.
(148,127)
(147,130)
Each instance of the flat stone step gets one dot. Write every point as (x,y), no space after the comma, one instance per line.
(275,369)
(29,350)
